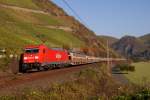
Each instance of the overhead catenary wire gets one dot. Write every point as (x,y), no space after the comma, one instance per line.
(75,13)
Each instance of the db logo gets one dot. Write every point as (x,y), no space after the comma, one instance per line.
(58,56)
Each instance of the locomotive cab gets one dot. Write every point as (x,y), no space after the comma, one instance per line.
(32,57)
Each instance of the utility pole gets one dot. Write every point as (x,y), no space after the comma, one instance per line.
(108,64)
(108,59)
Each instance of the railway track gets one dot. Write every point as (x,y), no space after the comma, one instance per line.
(39,79)
(13,80)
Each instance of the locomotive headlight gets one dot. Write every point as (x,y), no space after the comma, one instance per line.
(36,57)
(25,58)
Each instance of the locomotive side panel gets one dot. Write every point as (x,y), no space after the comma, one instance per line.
(55,57)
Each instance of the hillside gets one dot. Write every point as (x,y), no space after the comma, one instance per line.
(146,39)
(25,22)
(31,28)
(133,47)
(109,38)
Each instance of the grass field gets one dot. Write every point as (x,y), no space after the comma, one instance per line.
(141,74)
(20,3)
(19,28)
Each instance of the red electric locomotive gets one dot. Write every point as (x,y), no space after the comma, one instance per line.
(41,57)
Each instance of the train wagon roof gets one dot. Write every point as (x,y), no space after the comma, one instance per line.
(38,46)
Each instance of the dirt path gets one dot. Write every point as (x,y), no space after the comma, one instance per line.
(65,28)
(23,9)
(38,79)
(121,78)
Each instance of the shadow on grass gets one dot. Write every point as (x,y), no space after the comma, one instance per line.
(119,72)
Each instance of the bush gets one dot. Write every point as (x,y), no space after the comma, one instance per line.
(125,67)
(4,63)
(131,68)
(7,98)
(140,95)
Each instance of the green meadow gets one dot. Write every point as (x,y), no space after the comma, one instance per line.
(20,3)
(141,74)
(20,28)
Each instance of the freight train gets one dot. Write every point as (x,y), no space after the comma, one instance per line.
(43,58)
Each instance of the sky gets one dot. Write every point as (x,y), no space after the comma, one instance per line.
(112,17)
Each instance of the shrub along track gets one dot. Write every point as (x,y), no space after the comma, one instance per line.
(8,85)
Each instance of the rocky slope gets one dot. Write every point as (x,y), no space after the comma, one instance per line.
(133,47)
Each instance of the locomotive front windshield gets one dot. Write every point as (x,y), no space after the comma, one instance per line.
(31,50)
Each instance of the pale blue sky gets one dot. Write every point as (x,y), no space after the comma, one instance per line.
(112,17)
